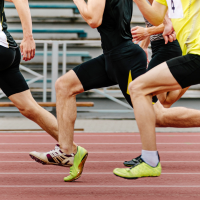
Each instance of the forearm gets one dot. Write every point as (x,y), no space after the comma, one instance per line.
(155,29)
(154,14)
(92,11)
(23,10)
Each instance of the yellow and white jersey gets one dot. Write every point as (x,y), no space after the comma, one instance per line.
(185,16)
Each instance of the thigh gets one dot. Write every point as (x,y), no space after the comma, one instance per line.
(157,80)
(11,79)
(92,74)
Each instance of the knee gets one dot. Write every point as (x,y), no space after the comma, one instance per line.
(67,86)
(61,85)
(165,100)
(135,89)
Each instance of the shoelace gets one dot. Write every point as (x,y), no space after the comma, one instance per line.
(137,162)
(55,152)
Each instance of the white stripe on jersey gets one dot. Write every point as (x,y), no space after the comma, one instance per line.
(3,38)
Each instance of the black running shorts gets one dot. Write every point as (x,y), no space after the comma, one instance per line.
(120,66)
(11,79)
(185,69)
(163,52)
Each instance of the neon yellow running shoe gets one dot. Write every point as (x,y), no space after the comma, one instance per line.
(77,168)
(142,169)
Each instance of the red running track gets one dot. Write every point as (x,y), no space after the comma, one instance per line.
(22,178)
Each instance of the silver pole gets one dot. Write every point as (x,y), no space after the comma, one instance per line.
(45,73)
(64,59)
(54,70)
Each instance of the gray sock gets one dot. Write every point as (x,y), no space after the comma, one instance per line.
(150,157)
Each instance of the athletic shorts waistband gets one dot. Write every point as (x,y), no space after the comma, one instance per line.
(125,43)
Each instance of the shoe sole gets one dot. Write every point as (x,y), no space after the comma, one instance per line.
(128,165)
(126,177)
(81,166)
(45,163)
(134,177)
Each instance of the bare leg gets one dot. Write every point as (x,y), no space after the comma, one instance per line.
(66,89)
(168,98)
(141,90)
(30,109)
(178,117)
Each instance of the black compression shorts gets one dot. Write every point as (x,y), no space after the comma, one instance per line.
(11,79)
(185,69)
(120,66)
(163,52)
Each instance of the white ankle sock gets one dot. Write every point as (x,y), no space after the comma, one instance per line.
(150,157)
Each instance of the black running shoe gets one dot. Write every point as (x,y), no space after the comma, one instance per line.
(133,162)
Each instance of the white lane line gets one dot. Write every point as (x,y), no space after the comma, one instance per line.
(111,152)
(103,161)
(138,143)
(99,186)
(87,173)
(96,135)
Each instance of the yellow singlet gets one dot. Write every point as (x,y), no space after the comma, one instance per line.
(187,28)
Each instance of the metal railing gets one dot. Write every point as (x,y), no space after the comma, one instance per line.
(54,71)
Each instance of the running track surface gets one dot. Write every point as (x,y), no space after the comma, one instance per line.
(23,179)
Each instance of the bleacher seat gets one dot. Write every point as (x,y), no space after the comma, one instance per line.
(83,54)
(48,6)
(81,33)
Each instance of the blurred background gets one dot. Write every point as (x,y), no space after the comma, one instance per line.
(64,40)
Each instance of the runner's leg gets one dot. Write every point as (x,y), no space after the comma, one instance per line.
(89,75)
(141,90)
(177,73)
(16,89)
(161,53)
(30,109)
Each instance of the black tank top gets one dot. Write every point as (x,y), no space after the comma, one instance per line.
(5,37)
(115,27)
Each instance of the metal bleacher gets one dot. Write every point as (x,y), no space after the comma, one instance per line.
(80,32)
(48,6)
(85,56)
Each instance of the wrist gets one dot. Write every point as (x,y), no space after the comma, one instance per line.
(28,37)
(146,32)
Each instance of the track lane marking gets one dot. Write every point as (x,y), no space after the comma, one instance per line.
(100,186)
(188,143)
(97,135)
(102,161)
(116,152)
(86,173)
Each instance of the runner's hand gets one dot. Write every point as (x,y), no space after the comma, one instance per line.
(169,33)
(27,48)
(138,34)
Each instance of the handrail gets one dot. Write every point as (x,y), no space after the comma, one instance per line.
(53,46)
